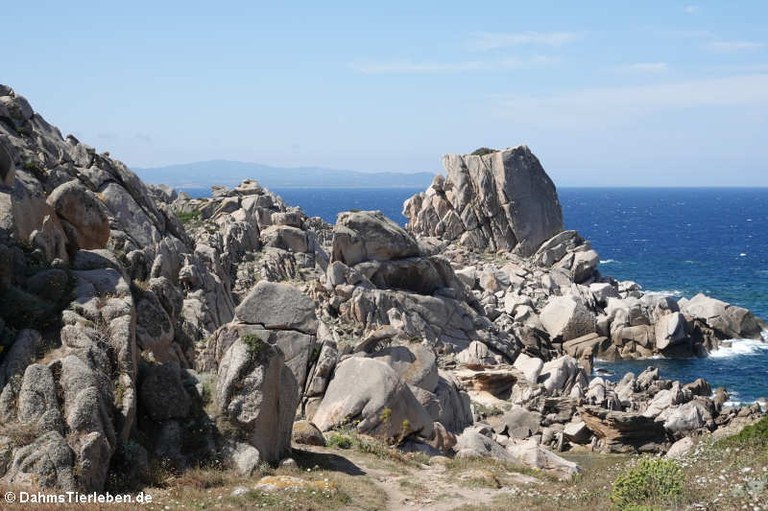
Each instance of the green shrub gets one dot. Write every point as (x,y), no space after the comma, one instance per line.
(482,151)
(754,435)
(339,440)
(186,217)
(651,481)
(257,348)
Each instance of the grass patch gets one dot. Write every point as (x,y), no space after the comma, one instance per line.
(186,217)
(754,435)
(350,439)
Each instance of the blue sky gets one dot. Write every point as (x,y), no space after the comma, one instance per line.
(605,93)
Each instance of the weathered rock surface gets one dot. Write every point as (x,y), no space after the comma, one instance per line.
(257,395)
(130,313)
(370,236)
(278,306)
(371,392)
(624,431)
(499,201)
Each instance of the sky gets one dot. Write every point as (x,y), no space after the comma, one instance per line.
(654,93)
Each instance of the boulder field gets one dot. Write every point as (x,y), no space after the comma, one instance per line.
(139,325)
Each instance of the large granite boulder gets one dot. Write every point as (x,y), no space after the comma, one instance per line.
(728,321)
(81,214)
(257,396)
(370,236)
(501,200)
(624,431)
(280,306)
(371,394)
(566,318)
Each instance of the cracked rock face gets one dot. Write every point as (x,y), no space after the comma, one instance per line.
(503,200)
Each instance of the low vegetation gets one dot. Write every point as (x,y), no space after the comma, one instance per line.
(482,151)
(652,482)
(186,217)
(357,472)
(258,349)
(349,439)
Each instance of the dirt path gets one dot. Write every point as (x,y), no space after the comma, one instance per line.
(431,487)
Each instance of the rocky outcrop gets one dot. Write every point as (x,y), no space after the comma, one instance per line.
(725,320)
(257,396)
(499,201)
(369,393)
(137,323)
(624,431)
(370,236)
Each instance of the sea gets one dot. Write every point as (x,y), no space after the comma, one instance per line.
(675,241)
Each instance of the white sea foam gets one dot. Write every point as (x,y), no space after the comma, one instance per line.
(608,261)
(741,347)
(737,404)
(666,292)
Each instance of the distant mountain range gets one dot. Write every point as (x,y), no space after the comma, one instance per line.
(229,173)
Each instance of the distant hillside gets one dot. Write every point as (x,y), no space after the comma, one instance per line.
(222,172)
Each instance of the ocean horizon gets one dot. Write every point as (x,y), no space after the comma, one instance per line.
(676,241)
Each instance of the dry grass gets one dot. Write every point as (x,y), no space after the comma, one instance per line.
(731,475)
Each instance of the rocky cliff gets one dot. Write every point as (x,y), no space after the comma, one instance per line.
(489,200)
(142,327)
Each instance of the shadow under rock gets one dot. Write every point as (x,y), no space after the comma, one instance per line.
(325,461)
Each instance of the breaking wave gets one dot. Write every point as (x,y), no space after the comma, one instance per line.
(740,348)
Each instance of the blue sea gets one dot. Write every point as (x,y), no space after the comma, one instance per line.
(681,241)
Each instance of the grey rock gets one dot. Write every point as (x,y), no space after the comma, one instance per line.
(416,364)
(577,432)
(244,457)
(306,433)
(25,348)
(499,201)
(520,423)
(162,393)
(530,366)
(370,236)
(473,444)
(566,318)
(258,395)
(729,321)
(81,210)
(361,389)
(670,330)
(455,410)
(562,375)
(476,353)
(535,456)
(278,306)
(47,462)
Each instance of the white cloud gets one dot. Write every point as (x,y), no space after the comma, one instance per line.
(493,41)
(623,104)
(733,46)
(691,9)
(646,67)
(410,67)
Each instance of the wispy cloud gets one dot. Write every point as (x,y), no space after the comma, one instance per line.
(691,9)
(733,46)
(646,67)
(495,40)
(465,66)
(623,104)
